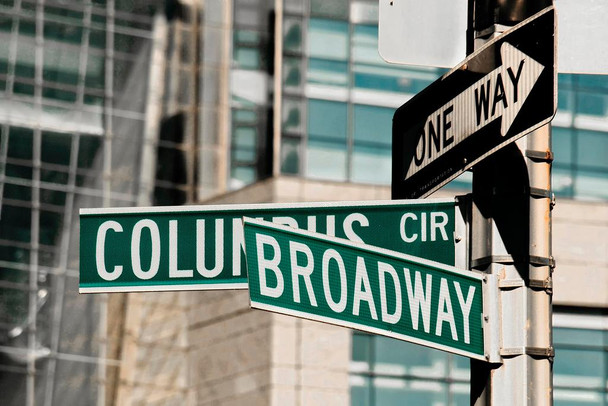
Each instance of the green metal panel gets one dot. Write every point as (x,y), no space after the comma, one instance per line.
(203,245)
(372,289)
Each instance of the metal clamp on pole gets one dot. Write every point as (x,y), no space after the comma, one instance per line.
(509,260)
(542,193)
(540,156)
(538,352)
(542,284)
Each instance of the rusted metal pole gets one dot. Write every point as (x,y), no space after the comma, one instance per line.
(511,239)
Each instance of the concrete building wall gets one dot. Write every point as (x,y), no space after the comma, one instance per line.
(580,248)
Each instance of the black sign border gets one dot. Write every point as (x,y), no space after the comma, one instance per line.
(535,37)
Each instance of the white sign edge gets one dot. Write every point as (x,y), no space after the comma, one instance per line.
(257,206)
(165,288)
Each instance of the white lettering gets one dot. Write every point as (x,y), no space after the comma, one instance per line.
(404,236)
(174,272)
(269,264)
(419,300)
(445,315)
(363,291)
(303,271)
(331,225)
(465,305)
(201,247)
(311,222)
(423,227)
(384,269)
(100,247)
(439,225)
(348,225)
(340,305)
(238,245)
(135,247)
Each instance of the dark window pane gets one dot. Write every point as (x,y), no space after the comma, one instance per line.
(16,223)
(88,148)
(56,148)
(17,192)
(20,142)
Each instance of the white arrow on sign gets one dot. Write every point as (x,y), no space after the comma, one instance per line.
(500,93)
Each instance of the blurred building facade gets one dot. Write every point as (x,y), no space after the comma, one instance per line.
(145,102)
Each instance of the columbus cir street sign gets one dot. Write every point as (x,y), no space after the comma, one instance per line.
(355,285)
(202,247)
(498,94)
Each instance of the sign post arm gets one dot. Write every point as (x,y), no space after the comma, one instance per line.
(511,241)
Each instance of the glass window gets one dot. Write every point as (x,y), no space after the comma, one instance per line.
(292,37)
(592,149)
(394,357)
(56,148)
(244,144)
(328,39)
(62,32)
(292,116)
(335,8)
(24,70)
(244,116)
(384,371)
(372,144)
(292,73)
(60,76)
(25,89)
(290,156)
(562,145)
(592,81)
(27,27)
(16,223)
(326,150)
(59,94)
(247,58)
(327,120)
(565,99)
(244,174)
(17,192)
(50,223)
(373,125)
(391,391)
(591,184)
(591,103)
(20,143)
(579,367)
(562,181)
(327,72)
(326,160)
(365,45)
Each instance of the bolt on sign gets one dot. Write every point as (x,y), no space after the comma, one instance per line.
(337,281)
(498,94)
(202,247)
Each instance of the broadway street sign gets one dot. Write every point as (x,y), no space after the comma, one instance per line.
(498,94)
(355,285)
(201,247)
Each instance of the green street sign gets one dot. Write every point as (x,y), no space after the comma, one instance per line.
(202,247)
(355,285)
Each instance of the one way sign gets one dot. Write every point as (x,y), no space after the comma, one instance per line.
(498,94)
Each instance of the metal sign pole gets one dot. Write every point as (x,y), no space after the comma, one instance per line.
(511,239)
